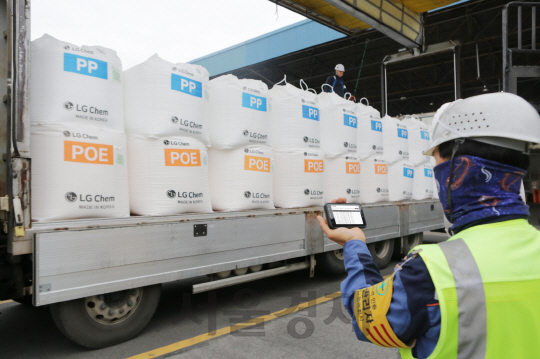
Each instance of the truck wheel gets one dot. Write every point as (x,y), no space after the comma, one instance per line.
(411,241)
(382,252)
(104,320)
(331,262)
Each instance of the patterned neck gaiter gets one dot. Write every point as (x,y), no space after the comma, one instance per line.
(480,189)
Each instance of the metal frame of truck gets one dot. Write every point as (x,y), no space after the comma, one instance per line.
(61,262)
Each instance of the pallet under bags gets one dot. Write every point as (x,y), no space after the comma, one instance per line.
(342,178)
(238,113)
(373,180)
(370,132)
(338,125)
(78,172)
(418,134)
(294,117)
(298,178)
(241,179)
(400,181)
(423,182)
(167,176)
(395,140)
(166,99)
(75,85)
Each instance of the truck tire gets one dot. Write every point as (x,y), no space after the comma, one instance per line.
(104,320)
(331,262)
(411,241)
(382,252)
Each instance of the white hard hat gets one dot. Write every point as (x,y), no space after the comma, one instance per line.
(500,119)
(340,67)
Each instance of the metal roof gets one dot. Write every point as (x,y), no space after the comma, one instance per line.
(292,38)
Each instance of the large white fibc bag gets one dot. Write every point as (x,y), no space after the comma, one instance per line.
(373,180)
(78,172)
(294,118)
(419,139)
(238,112)
(166,99)
(338,125)
(400,181)
(167,175)
(241,179)
(74,85)
(298,178)
(342,178)
(370,132)
(423,182)
(395,140)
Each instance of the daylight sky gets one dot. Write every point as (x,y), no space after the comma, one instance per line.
(177,30)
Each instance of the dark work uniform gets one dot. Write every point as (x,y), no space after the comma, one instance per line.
(337,83)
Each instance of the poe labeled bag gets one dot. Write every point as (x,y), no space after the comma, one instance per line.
(168,175)
(238,113)
(373,180)
(342,178)
(75,85)
(78,172)
(166,99)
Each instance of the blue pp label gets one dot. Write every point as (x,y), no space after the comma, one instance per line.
(310,113)
(85,66)
(401,132)
(185,85)
(428,172)
(425,135)
(408,172)
(253,102)
(349,120)
(376,125)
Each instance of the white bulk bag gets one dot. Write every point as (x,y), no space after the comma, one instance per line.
(238,112)
(241,179)
(75,85)
(370,132)
(338,125)
(400,181)
(78,172)
(419,140)
(342,178)
(423,182)
(166,99)
(395,140)
(298,178)
(294,118)
(373,180)
(167,175)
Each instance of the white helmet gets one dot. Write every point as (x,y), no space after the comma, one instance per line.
(340,67)
(501,119)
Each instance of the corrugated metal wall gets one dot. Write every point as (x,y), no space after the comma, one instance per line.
(289,39)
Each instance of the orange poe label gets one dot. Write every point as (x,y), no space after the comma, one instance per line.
(255,163)
(84,152)
(381,169)
(182,157)
(352,167)
(313,165)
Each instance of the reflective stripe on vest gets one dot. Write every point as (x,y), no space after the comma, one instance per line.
(472,321)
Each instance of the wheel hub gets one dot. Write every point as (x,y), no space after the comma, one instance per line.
(339,254)
(112,308)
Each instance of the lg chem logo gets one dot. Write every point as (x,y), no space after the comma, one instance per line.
(66,47)
(246,132)
(378,190)
(348,191)
(345,144)
(305,153)
(174,68)
(174,119)
(374,147)
(171,193)
(246,150)
(306,139)
(68,106)
(247,194)
(166,142)
(71,197)
(306,192)
(245,88)
(67,133)
(303,101)
(400,152)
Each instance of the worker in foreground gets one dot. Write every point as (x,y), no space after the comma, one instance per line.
(336,81)
(476,295)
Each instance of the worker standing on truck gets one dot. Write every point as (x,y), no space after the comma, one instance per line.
(475,295)
(336,81)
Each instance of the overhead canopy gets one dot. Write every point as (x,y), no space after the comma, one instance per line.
(400,20)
